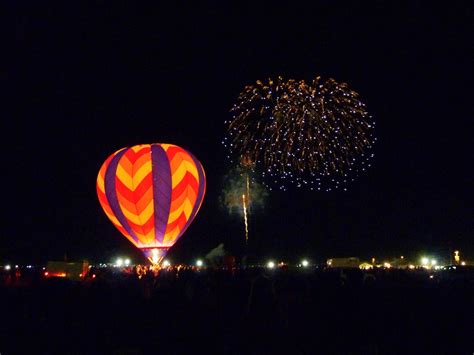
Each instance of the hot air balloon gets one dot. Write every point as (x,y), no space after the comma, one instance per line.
(151,193)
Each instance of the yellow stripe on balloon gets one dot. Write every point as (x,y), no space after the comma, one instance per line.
(186,207)
(150,237)
(179,174)
(175,214)
(124,177)
(137,219)
(112,218)
(137,148)
(101,183)
(171,236)
(138,176)
(166,146)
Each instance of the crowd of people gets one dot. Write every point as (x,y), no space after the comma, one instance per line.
(241,311)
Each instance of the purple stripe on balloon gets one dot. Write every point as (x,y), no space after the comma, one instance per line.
(111,193)
(200,195)
(161,173)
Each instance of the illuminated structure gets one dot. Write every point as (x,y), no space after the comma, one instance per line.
(151,193)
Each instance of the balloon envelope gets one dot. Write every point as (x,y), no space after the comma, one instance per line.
(151,193)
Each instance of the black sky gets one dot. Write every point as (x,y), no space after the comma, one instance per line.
(85,80)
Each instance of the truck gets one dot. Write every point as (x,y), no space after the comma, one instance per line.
(351,262)
(70,270)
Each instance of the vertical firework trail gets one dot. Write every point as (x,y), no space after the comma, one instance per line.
(242,195)
(244,205)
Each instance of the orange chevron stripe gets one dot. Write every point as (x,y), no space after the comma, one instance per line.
(134,153)
(175,163)
(138,150)
(131,166)
(144,185)
(145,227)
(130,207)
(126,164)
(171,237)
(178,159)
(125,205)
(123,190)
(141,161)
(134,195)
(188,181)
(180,222)
(103,201)
(186,196)
(189,195)
(145,200)
(108,211)
(186,208)
(129,160)
(172,150)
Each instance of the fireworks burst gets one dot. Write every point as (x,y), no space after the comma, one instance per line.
(317,134)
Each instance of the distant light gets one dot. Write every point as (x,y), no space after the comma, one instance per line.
(80,275)
(166,263)
(270,264)
(387,265)
(127,262)
(431,276)
(463,263)
(93,276)
(366,266)
(402,257)
(411,266)
(119,262)
(199,263)
(7,267)
(434,262)
(16,266)
(305,263)
(424,261)
(46,273)
(28,267)
(457,257)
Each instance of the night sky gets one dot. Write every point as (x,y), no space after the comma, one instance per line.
(83,82)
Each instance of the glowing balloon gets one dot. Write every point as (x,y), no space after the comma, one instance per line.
(151,193)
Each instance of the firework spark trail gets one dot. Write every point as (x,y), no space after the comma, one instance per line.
(248,193)
(244,205)
(242,195)
(301,133)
